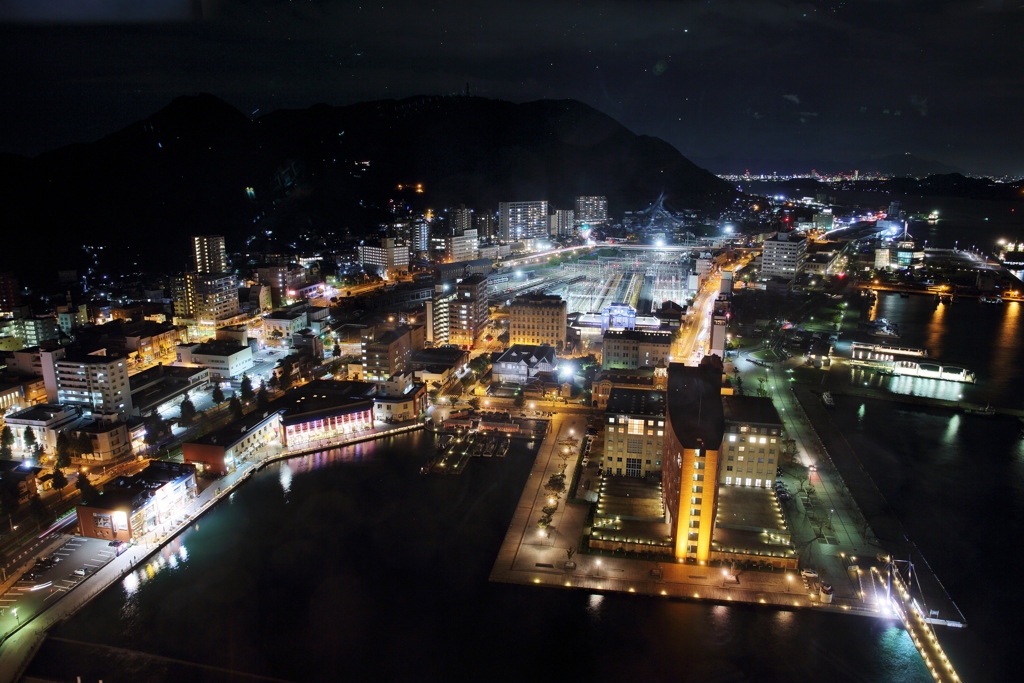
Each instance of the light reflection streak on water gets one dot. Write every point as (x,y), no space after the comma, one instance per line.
(594,607)
(951,429)
(899,649)
(936,332)
(1004,349)
(284,476)
(171,557)
(908,385)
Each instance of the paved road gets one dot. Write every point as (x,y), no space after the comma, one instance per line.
(693,340)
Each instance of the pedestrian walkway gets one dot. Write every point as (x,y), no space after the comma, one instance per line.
(526,545)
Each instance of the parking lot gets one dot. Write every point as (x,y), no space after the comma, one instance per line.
(75,560)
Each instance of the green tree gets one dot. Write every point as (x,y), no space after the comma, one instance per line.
(188,412)
(218,394)
(9,498)
(263,397)
(6,436)
(155,429)
(60,481)
(40,512)
(236,407)
(336,351)
(29,438)
(84,444)
(5,452)
(89,492)
(520,400)
(64,450)
(287,367)
(247,392)
(474,402)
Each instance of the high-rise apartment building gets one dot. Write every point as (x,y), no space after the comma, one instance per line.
(208,254)
(695,426)
(538,319)
(10,297)
(390,257)
(462,246)
(206,298)
(96,382)
(386,354)
(486,227)
(561,223)
(591,210)
(461,219)
(437,311)
(283,280)
(522,220)
(420,235)
(467,312)
(783,256)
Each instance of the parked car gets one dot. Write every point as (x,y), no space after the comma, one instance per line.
(81,571)
(783,496)
(808,573)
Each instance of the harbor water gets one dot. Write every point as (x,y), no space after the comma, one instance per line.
(350,565)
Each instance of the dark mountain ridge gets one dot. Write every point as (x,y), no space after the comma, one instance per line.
(200,166)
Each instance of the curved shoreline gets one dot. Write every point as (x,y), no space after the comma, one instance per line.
(19,646)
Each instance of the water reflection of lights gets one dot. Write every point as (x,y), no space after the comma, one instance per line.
(171,556)
(951,429)
(284,475)
(908,385)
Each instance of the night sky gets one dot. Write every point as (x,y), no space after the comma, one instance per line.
(732,84)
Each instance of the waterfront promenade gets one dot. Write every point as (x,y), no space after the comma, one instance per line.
(18,646)
(530,555)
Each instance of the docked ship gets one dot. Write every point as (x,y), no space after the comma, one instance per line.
(1011,255)
(907,361)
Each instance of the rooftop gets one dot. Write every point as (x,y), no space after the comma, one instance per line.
(473,280)
(438,355)
(41,413)
(286,314)
(227,435)
(653,336)
(539,299)
(156,474)
(218,347)
(322,396)
(750,409)
(636,401)
(626,376)
(529,354)
(695,405)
